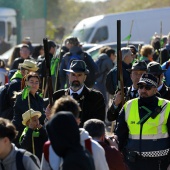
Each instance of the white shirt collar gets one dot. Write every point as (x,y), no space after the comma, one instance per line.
(132,89)
(160,87)
(78,92)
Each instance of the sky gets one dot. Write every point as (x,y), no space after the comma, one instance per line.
(92,0)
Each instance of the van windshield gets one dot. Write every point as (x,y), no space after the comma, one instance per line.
(2,29)
(83,34)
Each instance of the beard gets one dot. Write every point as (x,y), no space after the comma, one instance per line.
(143,95)
(75,85)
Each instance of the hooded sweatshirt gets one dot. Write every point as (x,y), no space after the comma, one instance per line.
(66,142)
(53,161)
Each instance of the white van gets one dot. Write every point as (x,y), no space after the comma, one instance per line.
(8,25)
(103,28)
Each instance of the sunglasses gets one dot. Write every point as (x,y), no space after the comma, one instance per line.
(141,86)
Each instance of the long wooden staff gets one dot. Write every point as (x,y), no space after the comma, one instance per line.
(120,85)
(25,94)
(160,55)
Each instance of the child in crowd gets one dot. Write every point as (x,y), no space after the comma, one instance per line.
(34,135)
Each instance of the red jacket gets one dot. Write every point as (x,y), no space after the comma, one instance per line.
(114,157)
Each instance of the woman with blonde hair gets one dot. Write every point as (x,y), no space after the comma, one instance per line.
(147,52)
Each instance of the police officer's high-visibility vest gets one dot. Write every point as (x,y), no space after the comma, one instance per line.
(154,131)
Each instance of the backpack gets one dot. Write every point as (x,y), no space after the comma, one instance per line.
(109,82)
(92,67)
(87,145)
(167,65)
(91,77)
(71,58)
(19,157)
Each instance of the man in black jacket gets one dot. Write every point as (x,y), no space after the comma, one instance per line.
(138,68)
(91,101)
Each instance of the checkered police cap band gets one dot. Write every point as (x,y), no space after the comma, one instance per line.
(149,81)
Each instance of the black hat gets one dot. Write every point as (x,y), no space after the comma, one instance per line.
(148,79)
(155,68)
(138,65)
(77,66)
(51,44)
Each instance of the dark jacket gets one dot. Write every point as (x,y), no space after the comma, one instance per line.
(91,103)
(114,157)
(165,92)
(26,141)
(42,65)
(104,64)
(126,76)
(17,61)
(21,106)
(66,142)
(15,84)
(113,112)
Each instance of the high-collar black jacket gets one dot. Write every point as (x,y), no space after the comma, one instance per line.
(165,92)
(91,103)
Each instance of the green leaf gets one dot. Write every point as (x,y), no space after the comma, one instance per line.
(161,42)
(54,63)
(127,38)
(41,95)
(25,92)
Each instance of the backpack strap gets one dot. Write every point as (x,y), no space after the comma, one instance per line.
(46,150)
(19,163)
(88,145)
(19,157)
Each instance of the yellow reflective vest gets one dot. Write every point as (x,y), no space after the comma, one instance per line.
(153,128)
(154,132)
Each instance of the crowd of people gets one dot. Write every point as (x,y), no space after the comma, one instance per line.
(70,133)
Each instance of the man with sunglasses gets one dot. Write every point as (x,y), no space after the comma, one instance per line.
(138,68)
(143,128)
(156,69)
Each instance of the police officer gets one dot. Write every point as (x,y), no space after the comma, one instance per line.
(143,128)
(156,69)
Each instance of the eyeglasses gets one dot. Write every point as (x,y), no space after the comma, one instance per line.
(141,86)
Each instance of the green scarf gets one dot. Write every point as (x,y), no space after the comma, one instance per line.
(143,58)
(25,92)
(54,64)
(35,134)
(17,74)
